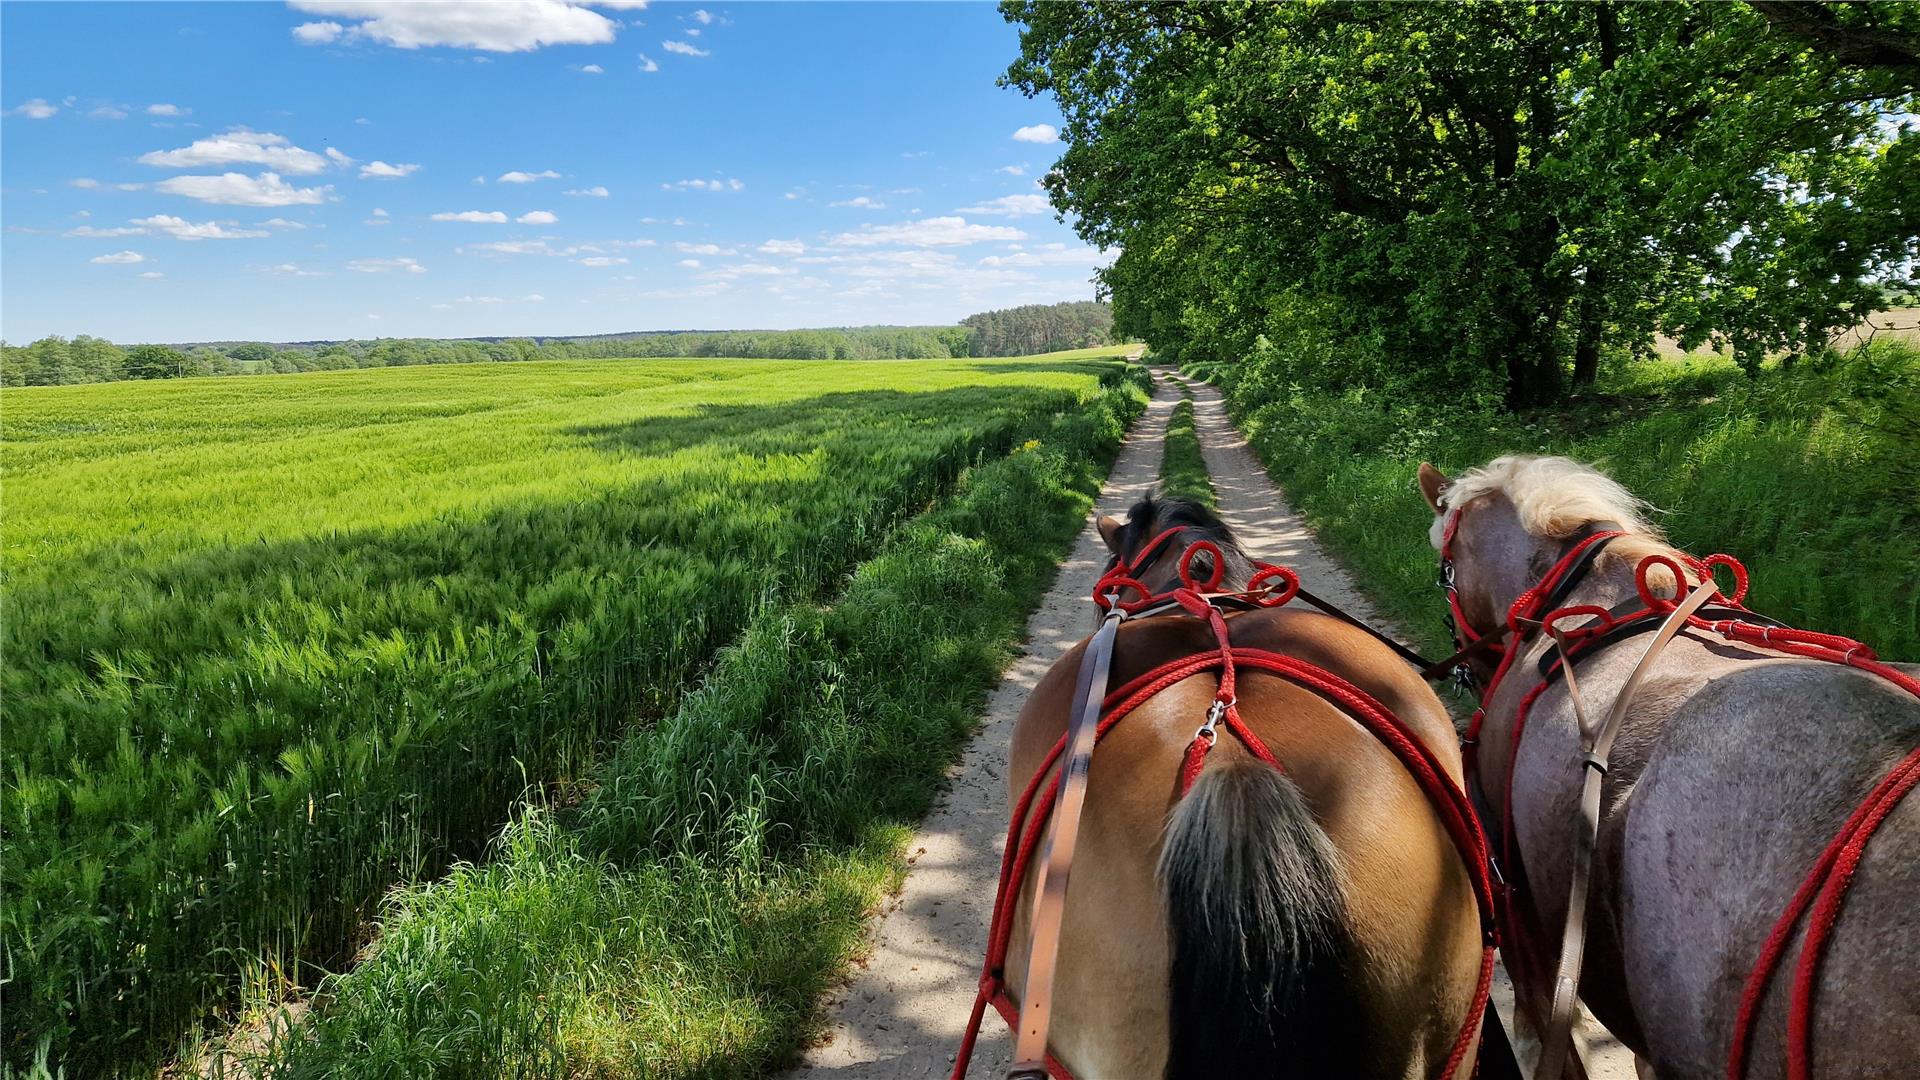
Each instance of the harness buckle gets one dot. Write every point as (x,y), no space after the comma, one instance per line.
(1215,713)
(1590,761)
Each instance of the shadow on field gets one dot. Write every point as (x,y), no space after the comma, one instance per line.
(235,749)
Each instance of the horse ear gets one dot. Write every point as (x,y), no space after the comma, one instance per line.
(1110,531)
(1433,484)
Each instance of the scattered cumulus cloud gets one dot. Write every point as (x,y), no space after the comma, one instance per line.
(684,48)
(597,191)
(704,185)
(648,64)
(860,202)
(338,158)
(381,266)
(782,247)
(283,223)
(591,69)
(34,109)
(518,177)
(239,189)
(929,232)
(119,258)
(240,147)
(294,270)
(463,24)
(151,275)
(1013,170)
(703,249)
(702,16)
(537,217)
(182,229)
(318,33)
(1037,133)
(1011,206)
(1052,255)
(477,217)
(602,260)
(84,183)
(164,109)
(380,170)
(109,112)
(691,264)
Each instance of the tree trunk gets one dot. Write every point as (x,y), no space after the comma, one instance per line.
(1593,321)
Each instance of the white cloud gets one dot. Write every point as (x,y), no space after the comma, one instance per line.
(468,24)
(782,247)
(1053,255)
(119,258)
(380,170)
(703,249)
(517,177)
(704,185)
(182,229)
(293,270)
(591,69)
(239,189)
(514,247)
(283,223)
(602,260)
(91,232)
(648,64)
(240,147)
(35,109)
(703,17)
(1037,133)
(363,121)
(481,300)
(164,109)
(691,31)
(684,48)
(477,217)
(84,183)
(1011,206)
(594,192)
(929,232)
(381,266)
(691,264)
(380,217)
(537,217)
(338,158)
(318,33)
(152,274)
(131,187)
(860,202)
(532,298)
(109,112)
(1013,170)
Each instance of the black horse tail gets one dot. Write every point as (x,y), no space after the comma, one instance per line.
(1260,985)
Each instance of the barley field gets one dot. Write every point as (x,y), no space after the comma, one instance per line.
(274,646)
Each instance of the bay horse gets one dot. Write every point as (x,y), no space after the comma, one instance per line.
(1735,767)
(1312,920)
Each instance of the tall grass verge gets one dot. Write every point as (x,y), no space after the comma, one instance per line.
(1808,475)
(1183,469)
(683,918)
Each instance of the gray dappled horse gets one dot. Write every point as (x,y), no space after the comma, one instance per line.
(1735,767)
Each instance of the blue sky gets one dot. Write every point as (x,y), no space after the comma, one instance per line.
(180,172)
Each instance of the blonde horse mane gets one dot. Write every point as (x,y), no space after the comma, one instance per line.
(1555,497)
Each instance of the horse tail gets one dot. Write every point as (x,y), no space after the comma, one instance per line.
(1259,984)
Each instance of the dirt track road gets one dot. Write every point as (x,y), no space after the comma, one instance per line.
(900,1017)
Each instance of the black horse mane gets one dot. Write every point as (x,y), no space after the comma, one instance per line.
(1153,515)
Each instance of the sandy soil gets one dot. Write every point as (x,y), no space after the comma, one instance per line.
(900,1017)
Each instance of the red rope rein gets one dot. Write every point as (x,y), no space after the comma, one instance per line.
(1270,586)
(1823,891)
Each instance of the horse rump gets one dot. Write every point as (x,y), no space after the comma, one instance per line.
(1259,984)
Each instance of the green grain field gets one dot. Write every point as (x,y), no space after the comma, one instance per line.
(274,646)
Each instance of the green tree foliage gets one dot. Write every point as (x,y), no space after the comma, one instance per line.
(1481,198)
(1038,328)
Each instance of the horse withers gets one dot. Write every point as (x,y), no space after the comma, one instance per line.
(1314,919)
(1735,767)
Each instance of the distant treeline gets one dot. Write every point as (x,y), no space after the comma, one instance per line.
(1018,331)
(1038,328)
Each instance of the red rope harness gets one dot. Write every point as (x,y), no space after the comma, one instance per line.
(1825,886)
(1271,586)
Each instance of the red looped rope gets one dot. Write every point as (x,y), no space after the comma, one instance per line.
(1825,887)
(1034,808)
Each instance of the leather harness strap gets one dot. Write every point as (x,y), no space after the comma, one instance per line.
(1596,746)
(1050,891)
